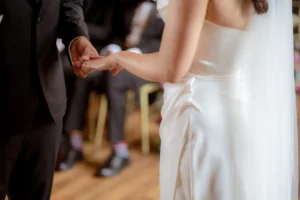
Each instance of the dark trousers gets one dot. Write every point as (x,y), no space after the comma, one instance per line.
(78,98)
(115,87)
(116,94)
(27,159)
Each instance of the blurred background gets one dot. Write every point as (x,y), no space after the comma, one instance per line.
(110,148)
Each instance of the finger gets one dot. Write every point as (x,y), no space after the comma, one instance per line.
(77,64)
(75,68)
(94,53)
(82,74)
(88,70)
(85,55)
(88,52)
(119,70)
(96,57)
(95,64)
(78,69)
(116,71)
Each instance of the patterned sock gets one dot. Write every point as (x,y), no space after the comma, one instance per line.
(121,149)
(76,141)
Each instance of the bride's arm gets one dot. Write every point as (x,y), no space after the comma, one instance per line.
(179,43)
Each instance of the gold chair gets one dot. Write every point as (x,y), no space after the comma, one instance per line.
(100,126)
(96,134)
(90,115)
(96,130)
(145,90)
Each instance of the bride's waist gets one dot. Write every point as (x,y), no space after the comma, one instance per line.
(213,69)
(193,82)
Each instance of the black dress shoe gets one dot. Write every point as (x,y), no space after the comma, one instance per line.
(114,166)
(72,157)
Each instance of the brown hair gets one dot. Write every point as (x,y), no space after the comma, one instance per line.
(260,6)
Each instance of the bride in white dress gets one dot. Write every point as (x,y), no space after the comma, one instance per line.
(229,124)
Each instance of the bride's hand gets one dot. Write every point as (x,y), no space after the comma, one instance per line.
(86,70)
(102,63)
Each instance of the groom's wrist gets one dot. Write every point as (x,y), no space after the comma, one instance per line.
(71,45)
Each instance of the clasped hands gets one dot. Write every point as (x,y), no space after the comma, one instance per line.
(85,59)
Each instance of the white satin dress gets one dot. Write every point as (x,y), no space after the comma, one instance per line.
(203,150)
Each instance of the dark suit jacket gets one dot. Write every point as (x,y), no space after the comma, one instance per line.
(123,21)
(102,18)
(151,38)
(31,71)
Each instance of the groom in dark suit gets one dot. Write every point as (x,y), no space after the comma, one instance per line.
(33,90)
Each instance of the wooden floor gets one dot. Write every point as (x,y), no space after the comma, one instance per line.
(138,182)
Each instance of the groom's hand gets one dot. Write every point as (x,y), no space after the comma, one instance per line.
(80,51)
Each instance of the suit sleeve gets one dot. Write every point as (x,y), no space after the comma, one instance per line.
(71,22)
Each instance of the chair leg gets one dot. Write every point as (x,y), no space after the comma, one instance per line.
(102,116)
(130,99)
(144,92)
(101,120)
(144,103)
(91,121)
